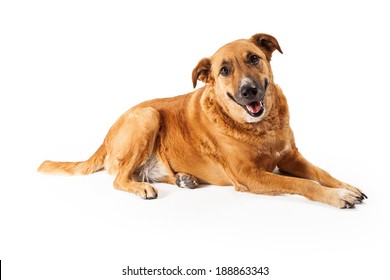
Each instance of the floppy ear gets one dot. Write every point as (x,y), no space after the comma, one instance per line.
(202,71)
(267,43)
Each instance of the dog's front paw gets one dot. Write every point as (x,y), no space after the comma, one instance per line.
(354,190)
(343,198)
(184,180)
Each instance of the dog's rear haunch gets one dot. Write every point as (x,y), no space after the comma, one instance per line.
(233,131)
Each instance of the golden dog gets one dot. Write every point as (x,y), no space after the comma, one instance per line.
(233,131)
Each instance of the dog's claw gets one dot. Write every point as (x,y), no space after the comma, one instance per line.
(348,205)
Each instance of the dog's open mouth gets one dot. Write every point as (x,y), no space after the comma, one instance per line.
(255,108)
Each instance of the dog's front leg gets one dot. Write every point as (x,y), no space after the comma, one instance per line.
(295,164)
(262,182)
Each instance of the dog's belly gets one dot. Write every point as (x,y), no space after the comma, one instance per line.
(212,174)
(152,171)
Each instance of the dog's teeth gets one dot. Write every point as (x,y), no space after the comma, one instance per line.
(254,107)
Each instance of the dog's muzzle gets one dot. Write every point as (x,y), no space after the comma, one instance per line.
(251,97)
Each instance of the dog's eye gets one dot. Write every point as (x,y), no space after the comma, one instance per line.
(224,71)
(254,59)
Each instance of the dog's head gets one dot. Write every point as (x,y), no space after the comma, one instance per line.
(241,77)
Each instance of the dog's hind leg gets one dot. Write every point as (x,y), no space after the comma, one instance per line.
(130,142)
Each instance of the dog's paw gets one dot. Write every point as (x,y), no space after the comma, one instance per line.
(354,190)
(184,180)
(146,191)
(343,198)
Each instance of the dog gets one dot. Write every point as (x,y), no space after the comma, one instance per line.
(232,131)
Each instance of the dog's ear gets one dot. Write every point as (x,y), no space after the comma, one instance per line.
(267,43)
(202,71)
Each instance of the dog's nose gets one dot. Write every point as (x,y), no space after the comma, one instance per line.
(248,91)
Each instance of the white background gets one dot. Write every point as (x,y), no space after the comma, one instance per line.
(68,69)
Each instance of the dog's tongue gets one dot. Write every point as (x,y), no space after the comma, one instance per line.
(254,107)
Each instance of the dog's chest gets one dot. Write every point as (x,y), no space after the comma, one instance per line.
(271,152)
(263,152)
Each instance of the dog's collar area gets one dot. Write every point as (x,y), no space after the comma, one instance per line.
(254,109)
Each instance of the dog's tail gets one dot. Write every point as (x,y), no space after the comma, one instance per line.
(93,164)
